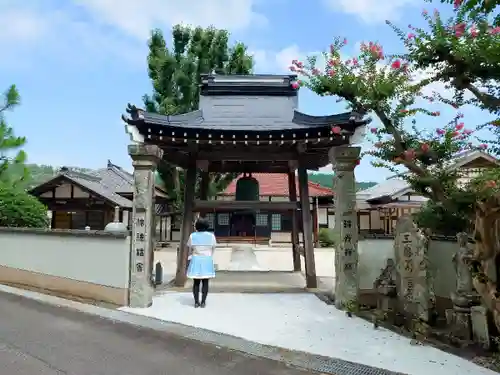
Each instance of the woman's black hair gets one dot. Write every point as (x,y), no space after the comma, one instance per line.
(202,225)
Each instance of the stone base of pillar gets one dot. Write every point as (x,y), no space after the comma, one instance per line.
(461,324)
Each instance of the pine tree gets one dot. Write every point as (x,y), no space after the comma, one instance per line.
(175,73)
(11,158)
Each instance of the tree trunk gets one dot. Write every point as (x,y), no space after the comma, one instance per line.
(486,250)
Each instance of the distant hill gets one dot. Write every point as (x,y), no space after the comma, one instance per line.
(41,173)
(326,180)
(38,174)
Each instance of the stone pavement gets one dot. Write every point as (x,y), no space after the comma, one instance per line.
(300,322)
(38,339)
(269,259)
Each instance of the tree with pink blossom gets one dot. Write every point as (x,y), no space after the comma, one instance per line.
(382,85)
(463,52)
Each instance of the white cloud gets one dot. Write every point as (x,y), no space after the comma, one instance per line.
(106,29)
(371,11)
(138,17)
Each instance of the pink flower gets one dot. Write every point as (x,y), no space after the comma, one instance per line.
(455,134)
(373,130)
(344,41)
(295,85)
(404,111)
(331,72)
(316,72)
(333,62)
(459,29)
(376,50)
(378,144)
(437,113)
(336,130)
(483,146)
(495,30)
(490,184)
(348,62)
(440,131)
(411,36)
(410,154)
(457,3)
(424,147)
(459,126)
(474,32)
(355,61)
(332,49)
(292,68)
(358,162)
(396,64)
(468,132)
(460,115)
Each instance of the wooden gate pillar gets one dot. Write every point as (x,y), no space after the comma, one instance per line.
(292,191)
(311,281)
(187,225)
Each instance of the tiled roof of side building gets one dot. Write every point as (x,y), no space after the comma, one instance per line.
(276,184)
(96,185)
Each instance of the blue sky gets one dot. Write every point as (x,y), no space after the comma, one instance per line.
(77,63)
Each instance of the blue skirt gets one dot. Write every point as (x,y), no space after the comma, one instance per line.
(201,267)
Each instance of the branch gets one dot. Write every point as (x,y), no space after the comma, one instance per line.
(437,191)
(489,101)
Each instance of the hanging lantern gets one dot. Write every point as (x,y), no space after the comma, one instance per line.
(247,188)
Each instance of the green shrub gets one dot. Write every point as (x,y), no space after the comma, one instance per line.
(328,237)
(19,209)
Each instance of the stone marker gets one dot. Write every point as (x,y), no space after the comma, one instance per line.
(344,160)
(145,159)
(414,279)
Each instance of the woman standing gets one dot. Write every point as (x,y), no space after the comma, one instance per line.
(201,268)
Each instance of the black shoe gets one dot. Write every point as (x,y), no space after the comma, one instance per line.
(202,305)
(196,305)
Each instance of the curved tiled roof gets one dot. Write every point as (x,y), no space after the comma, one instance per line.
(276,184)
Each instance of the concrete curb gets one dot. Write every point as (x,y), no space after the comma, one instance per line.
(307,361)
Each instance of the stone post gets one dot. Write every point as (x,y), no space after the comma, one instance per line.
(464,297)
(145,159)
(344,160)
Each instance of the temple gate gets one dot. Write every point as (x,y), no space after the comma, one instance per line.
(249,124)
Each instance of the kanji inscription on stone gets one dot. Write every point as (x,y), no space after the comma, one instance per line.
(139,252)
(348,266)
(414,277)
(139,267)
(347,224)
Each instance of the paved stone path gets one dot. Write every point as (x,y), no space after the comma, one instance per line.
(38,339)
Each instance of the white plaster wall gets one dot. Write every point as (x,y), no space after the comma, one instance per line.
(376,222)
(90,258)
(373,255)
(364,222)
(442,266)
(331,221)
(323,216)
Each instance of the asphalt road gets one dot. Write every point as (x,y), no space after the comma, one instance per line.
(39,339)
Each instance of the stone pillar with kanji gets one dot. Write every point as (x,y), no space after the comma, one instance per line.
(145,160)
(344,159)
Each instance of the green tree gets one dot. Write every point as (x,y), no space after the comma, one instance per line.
(175,73)
(11,157)
(19,209)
